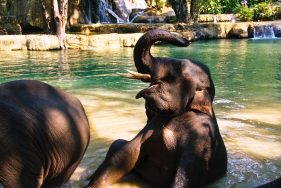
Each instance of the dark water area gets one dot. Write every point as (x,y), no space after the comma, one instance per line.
(246,74)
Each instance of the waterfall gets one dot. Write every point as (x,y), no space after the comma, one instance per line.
(138,15)
(118,10)
(102,12)
(89,11)
(115,16)
(264,31)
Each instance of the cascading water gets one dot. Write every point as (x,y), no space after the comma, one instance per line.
(264,31)
(89,11)
(102,12)
(119,10)
(141,5)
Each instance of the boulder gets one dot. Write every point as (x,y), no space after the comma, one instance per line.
(114,40)
(150,19)
(42,42)
(9,26)
(220,17)
(12,42)
(76,41)
(277,30)
(240,30)
(153,15)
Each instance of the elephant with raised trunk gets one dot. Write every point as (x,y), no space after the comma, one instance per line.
(44,133)
(181,145)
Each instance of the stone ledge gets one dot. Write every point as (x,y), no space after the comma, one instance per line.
(117,35)
(29,42)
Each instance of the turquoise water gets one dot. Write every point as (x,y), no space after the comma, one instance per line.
(246,74)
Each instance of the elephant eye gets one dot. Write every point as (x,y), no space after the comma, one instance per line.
(177,68)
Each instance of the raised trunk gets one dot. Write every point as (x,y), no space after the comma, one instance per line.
(142,57)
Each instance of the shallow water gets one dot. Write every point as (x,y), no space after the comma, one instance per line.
(246,74)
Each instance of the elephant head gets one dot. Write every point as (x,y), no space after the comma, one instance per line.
(177,85)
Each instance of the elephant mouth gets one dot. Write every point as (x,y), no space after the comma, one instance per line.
(143,77)
(153,85)
(151,89)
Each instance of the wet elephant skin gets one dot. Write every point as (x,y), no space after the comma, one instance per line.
(44,133)
(181,145)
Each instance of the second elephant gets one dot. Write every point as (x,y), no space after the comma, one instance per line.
(44,133)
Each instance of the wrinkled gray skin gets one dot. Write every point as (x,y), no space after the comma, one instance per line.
(180,146)
(44,133)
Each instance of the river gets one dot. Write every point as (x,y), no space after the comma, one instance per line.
(246,74)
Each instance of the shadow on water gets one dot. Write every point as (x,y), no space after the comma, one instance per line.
(247,76)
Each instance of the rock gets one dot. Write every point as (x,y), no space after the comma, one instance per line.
(126,35)
(76,41)
(171,19)
(277,30)
(153,15)
(150,19)
(3,31)
(220,17)
(9,26)
(12,42)
(119,7)
(168,27)
(239,31)
(42,42)
(136,12)
(114,40)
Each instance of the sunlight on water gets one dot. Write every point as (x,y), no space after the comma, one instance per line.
(247,76)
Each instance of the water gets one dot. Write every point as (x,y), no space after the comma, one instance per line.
(247,76)
(264,31)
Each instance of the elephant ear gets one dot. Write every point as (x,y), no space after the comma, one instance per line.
(202,101)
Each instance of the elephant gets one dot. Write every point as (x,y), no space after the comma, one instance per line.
(44,133)
(181,145)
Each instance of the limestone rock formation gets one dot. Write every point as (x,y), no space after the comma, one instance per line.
(9,26)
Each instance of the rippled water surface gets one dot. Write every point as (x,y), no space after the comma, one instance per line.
(246,74)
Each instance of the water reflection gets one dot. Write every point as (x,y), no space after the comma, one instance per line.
(247,76)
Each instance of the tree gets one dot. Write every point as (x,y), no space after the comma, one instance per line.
(57,24)
(180,8)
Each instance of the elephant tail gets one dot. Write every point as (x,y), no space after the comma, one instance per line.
(142,57)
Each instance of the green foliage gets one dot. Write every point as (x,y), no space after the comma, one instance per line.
(218,6)
(252,3)
(256,10)
(264,11)
(245,14)
(229,6)
(211,7)
(261,11)
(160,3)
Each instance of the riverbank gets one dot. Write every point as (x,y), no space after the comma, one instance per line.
(89,36)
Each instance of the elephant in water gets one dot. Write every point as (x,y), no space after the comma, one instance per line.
(181,145)
(44,133)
